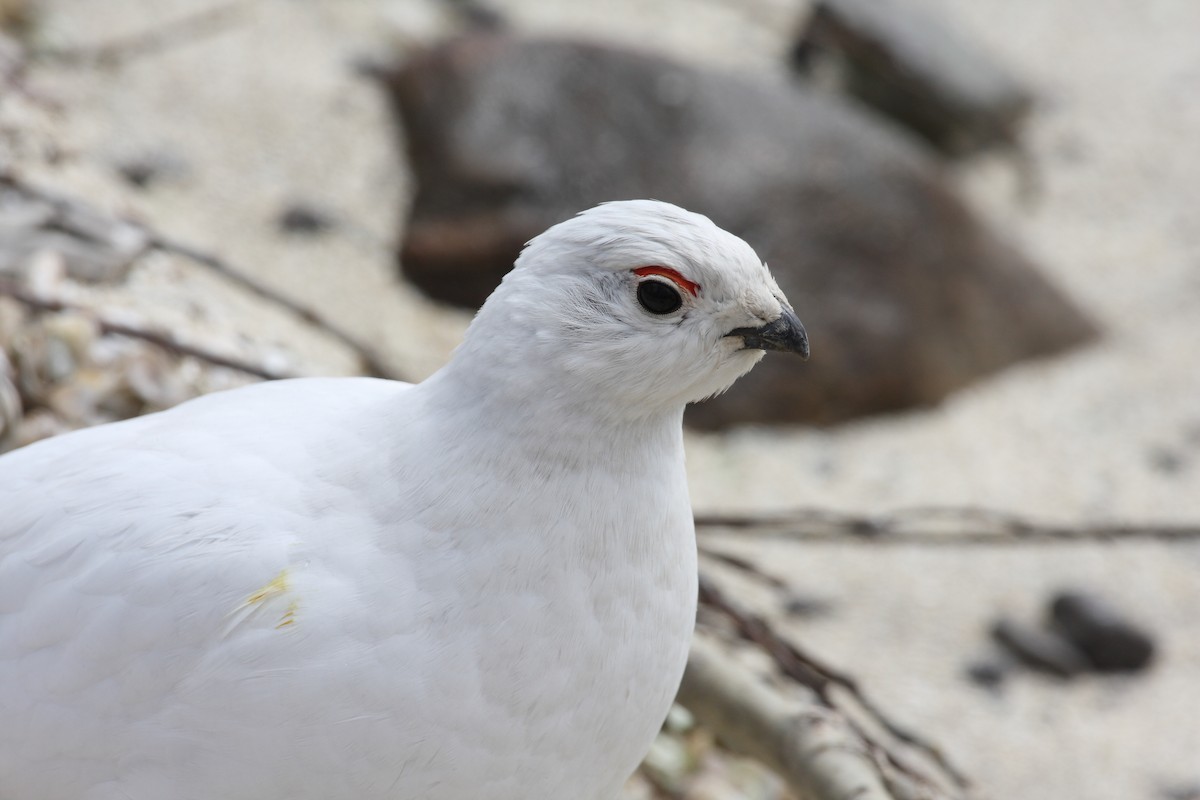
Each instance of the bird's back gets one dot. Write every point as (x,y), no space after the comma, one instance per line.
(143,563)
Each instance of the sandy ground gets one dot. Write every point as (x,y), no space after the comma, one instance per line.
(268,110)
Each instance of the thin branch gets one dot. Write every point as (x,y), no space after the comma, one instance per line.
(370,361)
(160,339)
(743,565)
(811,747)
(818,676)
(939,526)
(189,28)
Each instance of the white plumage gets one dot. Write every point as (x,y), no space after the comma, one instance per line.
(481,586)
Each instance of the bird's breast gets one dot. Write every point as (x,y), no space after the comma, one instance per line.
(561,635)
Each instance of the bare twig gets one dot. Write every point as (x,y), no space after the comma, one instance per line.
(370,360)
(743,565)
(164,340)
(949,526)
(812,748)
(189,28)
(807,670)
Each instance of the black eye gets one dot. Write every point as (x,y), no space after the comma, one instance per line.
(658,298)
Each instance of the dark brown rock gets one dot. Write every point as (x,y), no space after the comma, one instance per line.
(906,296)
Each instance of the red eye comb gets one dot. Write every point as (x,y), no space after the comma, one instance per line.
(691,287)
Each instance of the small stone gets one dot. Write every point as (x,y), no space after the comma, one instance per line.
(146,169)
(153,378)
(93,396)
(305,220)
(912,66)
(988,673)
(45,273)
(478,16)
(803,605)
(1166,461)
(668,761)
(13,318)
(73,331)
(43,355)
(679,720)
(1040,649)
(1181,791)
(1109,639)
(37,425)
(10,402)
(92,246)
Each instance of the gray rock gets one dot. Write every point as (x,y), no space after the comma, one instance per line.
(989,672)
(94,247)
(299,218)
(914,67)
(146,168)
(1041,649)
(11,409)
(1106,635)
(1181,791)
(905,294)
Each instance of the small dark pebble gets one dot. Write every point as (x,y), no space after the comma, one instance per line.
(1191,435)
(803,605)
(867,528)
(479,16)
(304,220)
(1040,649)
(1111,642)
(143,170)
(1166,461)
(138,173)
(1181,791)
(988,673)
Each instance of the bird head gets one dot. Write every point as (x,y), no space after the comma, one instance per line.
(636,303)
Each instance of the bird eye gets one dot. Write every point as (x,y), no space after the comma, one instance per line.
(658,297)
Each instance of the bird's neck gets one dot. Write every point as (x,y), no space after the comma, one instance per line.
(542,444)
(561,495)
(481,400)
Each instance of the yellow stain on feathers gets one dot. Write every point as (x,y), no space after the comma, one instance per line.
(289,616)
(276,586)
(280,585)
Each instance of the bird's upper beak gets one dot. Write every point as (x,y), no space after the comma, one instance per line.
(785,334)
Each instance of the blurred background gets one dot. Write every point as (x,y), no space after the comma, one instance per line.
(986,213)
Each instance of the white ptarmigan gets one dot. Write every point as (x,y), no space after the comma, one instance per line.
(480,587)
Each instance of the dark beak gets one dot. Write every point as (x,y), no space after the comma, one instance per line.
(785,334)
